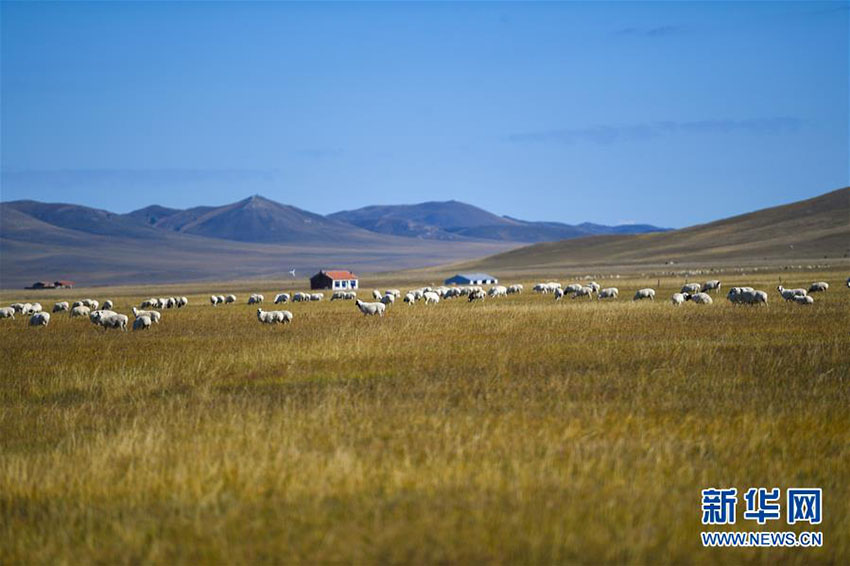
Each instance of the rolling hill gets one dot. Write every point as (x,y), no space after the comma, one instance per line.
(453,220)
(811,229)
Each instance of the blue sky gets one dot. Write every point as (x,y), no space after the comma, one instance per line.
(666,113)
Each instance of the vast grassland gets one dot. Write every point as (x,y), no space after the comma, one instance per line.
(518,430)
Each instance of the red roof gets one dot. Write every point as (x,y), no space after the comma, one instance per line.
(340,274)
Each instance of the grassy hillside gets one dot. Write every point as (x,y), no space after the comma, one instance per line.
(514,431)
(812,229)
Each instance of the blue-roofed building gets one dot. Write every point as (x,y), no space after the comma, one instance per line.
(471,279)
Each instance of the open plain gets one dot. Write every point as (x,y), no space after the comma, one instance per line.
(514,430)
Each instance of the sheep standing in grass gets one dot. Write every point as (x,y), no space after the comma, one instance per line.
(410,298)
(712,285)
(61,307)
(595,286)
(789,294)
(746,296)
(819,287)
(608,293)
(107,304)
(691,288)
(376,294)
(7,312)
(80,311)
(498,291)
(229,299)
(559,294)
(388,299)
(109,319)
(803,300)
(153,315)
(300,297)
(35,307)
(584,292)
(646,293)
(572,288)
(394,292)
(477,295)
(274,317)
(182,302)
(677,299)
(255,299)
(699,298)
(431,298)
(317,296)
(213,302)
(142,323)
(281,298)
(371,309)
(40,319)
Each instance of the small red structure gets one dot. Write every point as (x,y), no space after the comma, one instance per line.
(334,279)
(63,284)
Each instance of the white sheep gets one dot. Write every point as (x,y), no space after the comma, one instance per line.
(409,298)
(803,300)
(80,311)
(153,315)
(608,293)
(182,302)
(431,298)
(818,287)
(691,288)
(746,296)
(40,319)
(646,293)
(255,299)
(572,288)
(515,289)
(281,298)
(584,292)
(317,296)
(300,297)
(595,286)
(388,299)
(677,299)
(36,307)
(371,309)
(142,322)
(699,298)
(109,319)
(376,294)
(274,317)
(394,292)
(148,304)
(712,285)
(559,294)
(789,294)
(17,307)
(61,307)
(107,304)
(498,291)
(7,312)
(229,299)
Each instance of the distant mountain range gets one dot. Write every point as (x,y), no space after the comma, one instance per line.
(453,220)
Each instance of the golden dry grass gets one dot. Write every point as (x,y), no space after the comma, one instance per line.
(514,431)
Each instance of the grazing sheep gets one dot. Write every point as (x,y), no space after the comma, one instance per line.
(142,323)
(584,292)
(108,319)
(515,289)
(410,298)
(394,292)
(40,319)
(376,294)
(848,282)
(153,315)
(182,302)
(789,294)
(17,307)
(595,286)
(317,296)
(572,288)
(691,288)
(229,299)
(559,294)
(107,304)
(147,304)
(819,287)
(61,307)
(477,295)
(300,297)
(388,299)
(699,298)
(36,307)
(803,300)
(746,296)
(255,299)
(712,285)
(7,312)
(608,293)
(431,298)
(371,309)
(646,293)
(274,317)
(281,298)
(80,311)
(498,291)
(151,303)
(677,299)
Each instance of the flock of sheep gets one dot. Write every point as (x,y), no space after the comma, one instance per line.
(145,316)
